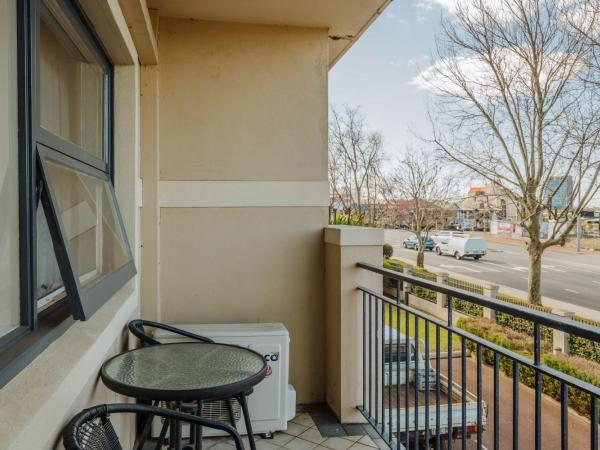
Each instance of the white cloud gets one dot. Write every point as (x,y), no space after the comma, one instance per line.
(479,77)
(395,18)
(417,61)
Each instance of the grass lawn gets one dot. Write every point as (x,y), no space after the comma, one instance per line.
(411,331)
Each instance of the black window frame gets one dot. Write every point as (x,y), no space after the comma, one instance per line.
(38,329)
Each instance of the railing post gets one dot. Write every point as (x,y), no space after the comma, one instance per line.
(560,339)
(442,278)
(344,247)
(406,290)
(490,290)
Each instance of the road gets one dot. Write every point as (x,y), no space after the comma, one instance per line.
(566,275)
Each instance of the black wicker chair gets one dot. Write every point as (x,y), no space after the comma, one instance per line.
(91,429)
(138,329)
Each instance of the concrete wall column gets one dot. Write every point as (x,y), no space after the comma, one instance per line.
(490,291)
(560,339)
(150,213)
(344,247)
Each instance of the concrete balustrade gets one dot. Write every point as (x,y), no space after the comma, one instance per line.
(344,247)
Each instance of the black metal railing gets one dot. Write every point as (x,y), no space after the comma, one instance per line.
(416,396)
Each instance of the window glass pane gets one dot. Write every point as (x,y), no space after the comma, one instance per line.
(87,211)
(71,83)
(50,288)
(9,170)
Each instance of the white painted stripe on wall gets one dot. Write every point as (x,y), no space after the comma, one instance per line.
(242,194)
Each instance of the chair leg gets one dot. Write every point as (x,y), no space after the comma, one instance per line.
(178,430)
(198,430)
(141,439)
(161,437)
(231,414)
(247,421)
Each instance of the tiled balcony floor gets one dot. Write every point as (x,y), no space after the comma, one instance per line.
(302,434)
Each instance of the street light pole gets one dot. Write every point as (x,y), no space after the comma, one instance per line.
(578,245)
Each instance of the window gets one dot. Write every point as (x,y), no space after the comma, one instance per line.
(90,243)
(72,252)
(9,165)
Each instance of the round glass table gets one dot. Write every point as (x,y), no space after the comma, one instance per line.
(184,371)
(187,372)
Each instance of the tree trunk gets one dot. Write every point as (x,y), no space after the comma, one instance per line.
(421,256)
(534,282)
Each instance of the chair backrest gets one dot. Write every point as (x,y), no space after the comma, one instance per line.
(138,329)
(91,429)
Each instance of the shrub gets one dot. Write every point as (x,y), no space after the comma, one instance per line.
(398,266)
(522,325)
(577,367)
(465,307)
(388,251)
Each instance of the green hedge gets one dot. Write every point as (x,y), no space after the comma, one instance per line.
(522,325)
(389,284)
(583,347)
(522,343)
(465,307)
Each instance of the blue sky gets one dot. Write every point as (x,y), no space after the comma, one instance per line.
(376,73)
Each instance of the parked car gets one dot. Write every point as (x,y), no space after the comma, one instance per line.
(413,242)
(461,247)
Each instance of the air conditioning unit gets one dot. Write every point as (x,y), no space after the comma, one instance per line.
(273,402)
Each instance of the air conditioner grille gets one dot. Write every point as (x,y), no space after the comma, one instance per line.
(214,410)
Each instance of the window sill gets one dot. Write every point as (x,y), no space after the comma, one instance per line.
(40,399)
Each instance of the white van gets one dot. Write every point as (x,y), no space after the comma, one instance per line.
(461,247)
(446,234)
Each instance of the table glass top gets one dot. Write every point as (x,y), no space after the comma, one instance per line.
(184,366)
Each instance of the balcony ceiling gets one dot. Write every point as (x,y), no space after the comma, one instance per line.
(345,19)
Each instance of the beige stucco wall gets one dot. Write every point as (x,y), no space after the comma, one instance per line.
(242,102)
(230,265)
(242,163)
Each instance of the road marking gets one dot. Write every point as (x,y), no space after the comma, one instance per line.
(572,291)
(520,268)
(596,282)
(450,266)
(545,266)
(503,266)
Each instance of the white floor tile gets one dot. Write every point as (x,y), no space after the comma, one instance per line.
(300,444)
(312,435)
(359,446)
(337,443)
(366,440)
(265,444)
(222,446)
(304,419)
(353,438)
(294,429)
(280,439)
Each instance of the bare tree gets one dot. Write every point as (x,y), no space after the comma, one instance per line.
(421,190)
(355,160)
(513,105)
